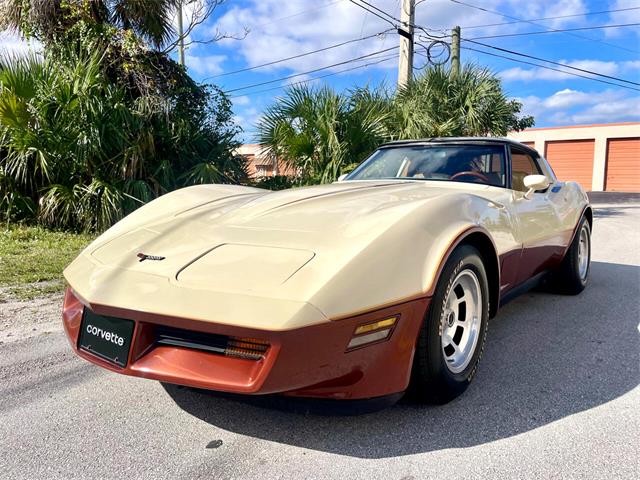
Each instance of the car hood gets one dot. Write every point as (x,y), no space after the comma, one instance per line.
(311,220)
(279,245)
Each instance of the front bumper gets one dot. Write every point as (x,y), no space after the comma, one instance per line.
(311,361)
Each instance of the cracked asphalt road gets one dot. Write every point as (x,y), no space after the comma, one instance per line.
(556,396)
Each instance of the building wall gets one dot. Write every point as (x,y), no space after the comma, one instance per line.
(601,136)
(260,165)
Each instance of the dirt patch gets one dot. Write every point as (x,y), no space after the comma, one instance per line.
(20,319)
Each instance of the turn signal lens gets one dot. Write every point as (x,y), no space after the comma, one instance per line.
(248,348)
(370,327)
(372,332)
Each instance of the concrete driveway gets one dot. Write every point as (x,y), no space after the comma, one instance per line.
(556,397)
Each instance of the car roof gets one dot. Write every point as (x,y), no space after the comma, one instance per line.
(458,141)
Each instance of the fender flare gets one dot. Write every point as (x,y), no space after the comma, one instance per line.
(492,264)
(587,212)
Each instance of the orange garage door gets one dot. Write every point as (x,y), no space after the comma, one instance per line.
(623,165)
(572,160)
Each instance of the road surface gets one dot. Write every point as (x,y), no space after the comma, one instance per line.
(556,397)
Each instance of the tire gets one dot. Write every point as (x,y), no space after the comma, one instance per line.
(572,275)
(439,373)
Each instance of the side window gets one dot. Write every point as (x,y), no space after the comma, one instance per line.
(522,164)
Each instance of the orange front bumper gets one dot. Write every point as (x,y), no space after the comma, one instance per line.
(310,361)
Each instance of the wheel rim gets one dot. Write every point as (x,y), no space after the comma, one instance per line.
(583,253)
(461,320)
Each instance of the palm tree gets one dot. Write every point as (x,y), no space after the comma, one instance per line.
(149,19)
(471,103)
(322,133)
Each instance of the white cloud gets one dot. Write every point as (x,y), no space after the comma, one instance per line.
(627,16)
(623,110)
(206,64)
(241,100)
(282,29)
(597,66)
(569,107)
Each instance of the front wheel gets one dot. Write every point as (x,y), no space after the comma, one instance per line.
(453,334)
(571,276)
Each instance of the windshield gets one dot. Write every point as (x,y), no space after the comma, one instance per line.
(482,164)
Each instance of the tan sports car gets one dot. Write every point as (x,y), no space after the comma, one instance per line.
(360,289)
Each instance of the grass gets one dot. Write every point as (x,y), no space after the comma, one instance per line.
(32,260)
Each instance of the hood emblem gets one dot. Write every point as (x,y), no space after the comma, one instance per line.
(144,256)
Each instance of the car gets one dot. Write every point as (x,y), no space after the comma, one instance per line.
(381,282)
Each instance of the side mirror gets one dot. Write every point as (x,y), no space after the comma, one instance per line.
(533,183)
(342,177)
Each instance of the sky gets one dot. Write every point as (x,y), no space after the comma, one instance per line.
(263,31)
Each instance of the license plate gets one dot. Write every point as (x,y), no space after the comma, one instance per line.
(106,337)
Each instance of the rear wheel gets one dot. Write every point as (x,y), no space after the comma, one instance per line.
(452,336)
(571,276)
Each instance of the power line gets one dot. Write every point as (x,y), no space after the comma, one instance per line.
(376,14)
(595,27)
(512,52)
(324,49)
(469,27)
(548,68)
(310,71)
(375,8)
(538,25)
(386,58)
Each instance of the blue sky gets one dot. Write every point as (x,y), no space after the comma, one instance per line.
(278,29)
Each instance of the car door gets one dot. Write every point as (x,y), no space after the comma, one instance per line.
(537,220)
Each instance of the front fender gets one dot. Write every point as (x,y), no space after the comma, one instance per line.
(404,261)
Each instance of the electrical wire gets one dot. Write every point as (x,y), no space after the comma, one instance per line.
(376,8)
(538,25)
(302,82)
(513,52)
(376,14)
(469,27)
(310,71)
(595,27)
(324,49)
(548,68)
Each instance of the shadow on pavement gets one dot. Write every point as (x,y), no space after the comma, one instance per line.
(547,357)
(617,211)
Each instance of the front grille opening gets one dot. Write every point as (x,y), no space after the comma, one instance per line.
(247,348)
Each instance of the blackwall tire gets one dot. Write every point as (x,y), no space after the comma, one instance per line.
(453,334)
(572,276)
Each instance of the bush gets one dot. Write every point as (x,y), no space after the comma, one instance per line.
(102,123)
(277,182)
(79,153)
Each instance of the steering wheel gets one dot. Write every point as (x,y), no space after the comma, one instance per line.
(470,173)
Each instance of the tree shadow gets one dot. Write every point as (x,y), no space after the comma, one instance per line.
(547,357)
(617,211)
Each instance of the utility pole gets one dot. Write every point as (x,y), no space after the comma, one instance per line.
(407,19)
(180,36)
(455,51)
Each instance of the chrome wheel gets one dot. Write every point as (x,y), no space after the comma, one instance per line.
(461,321)
(584,247)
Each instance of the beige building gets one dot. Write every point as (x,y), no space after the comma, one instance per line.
(261,165)
(603,157)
